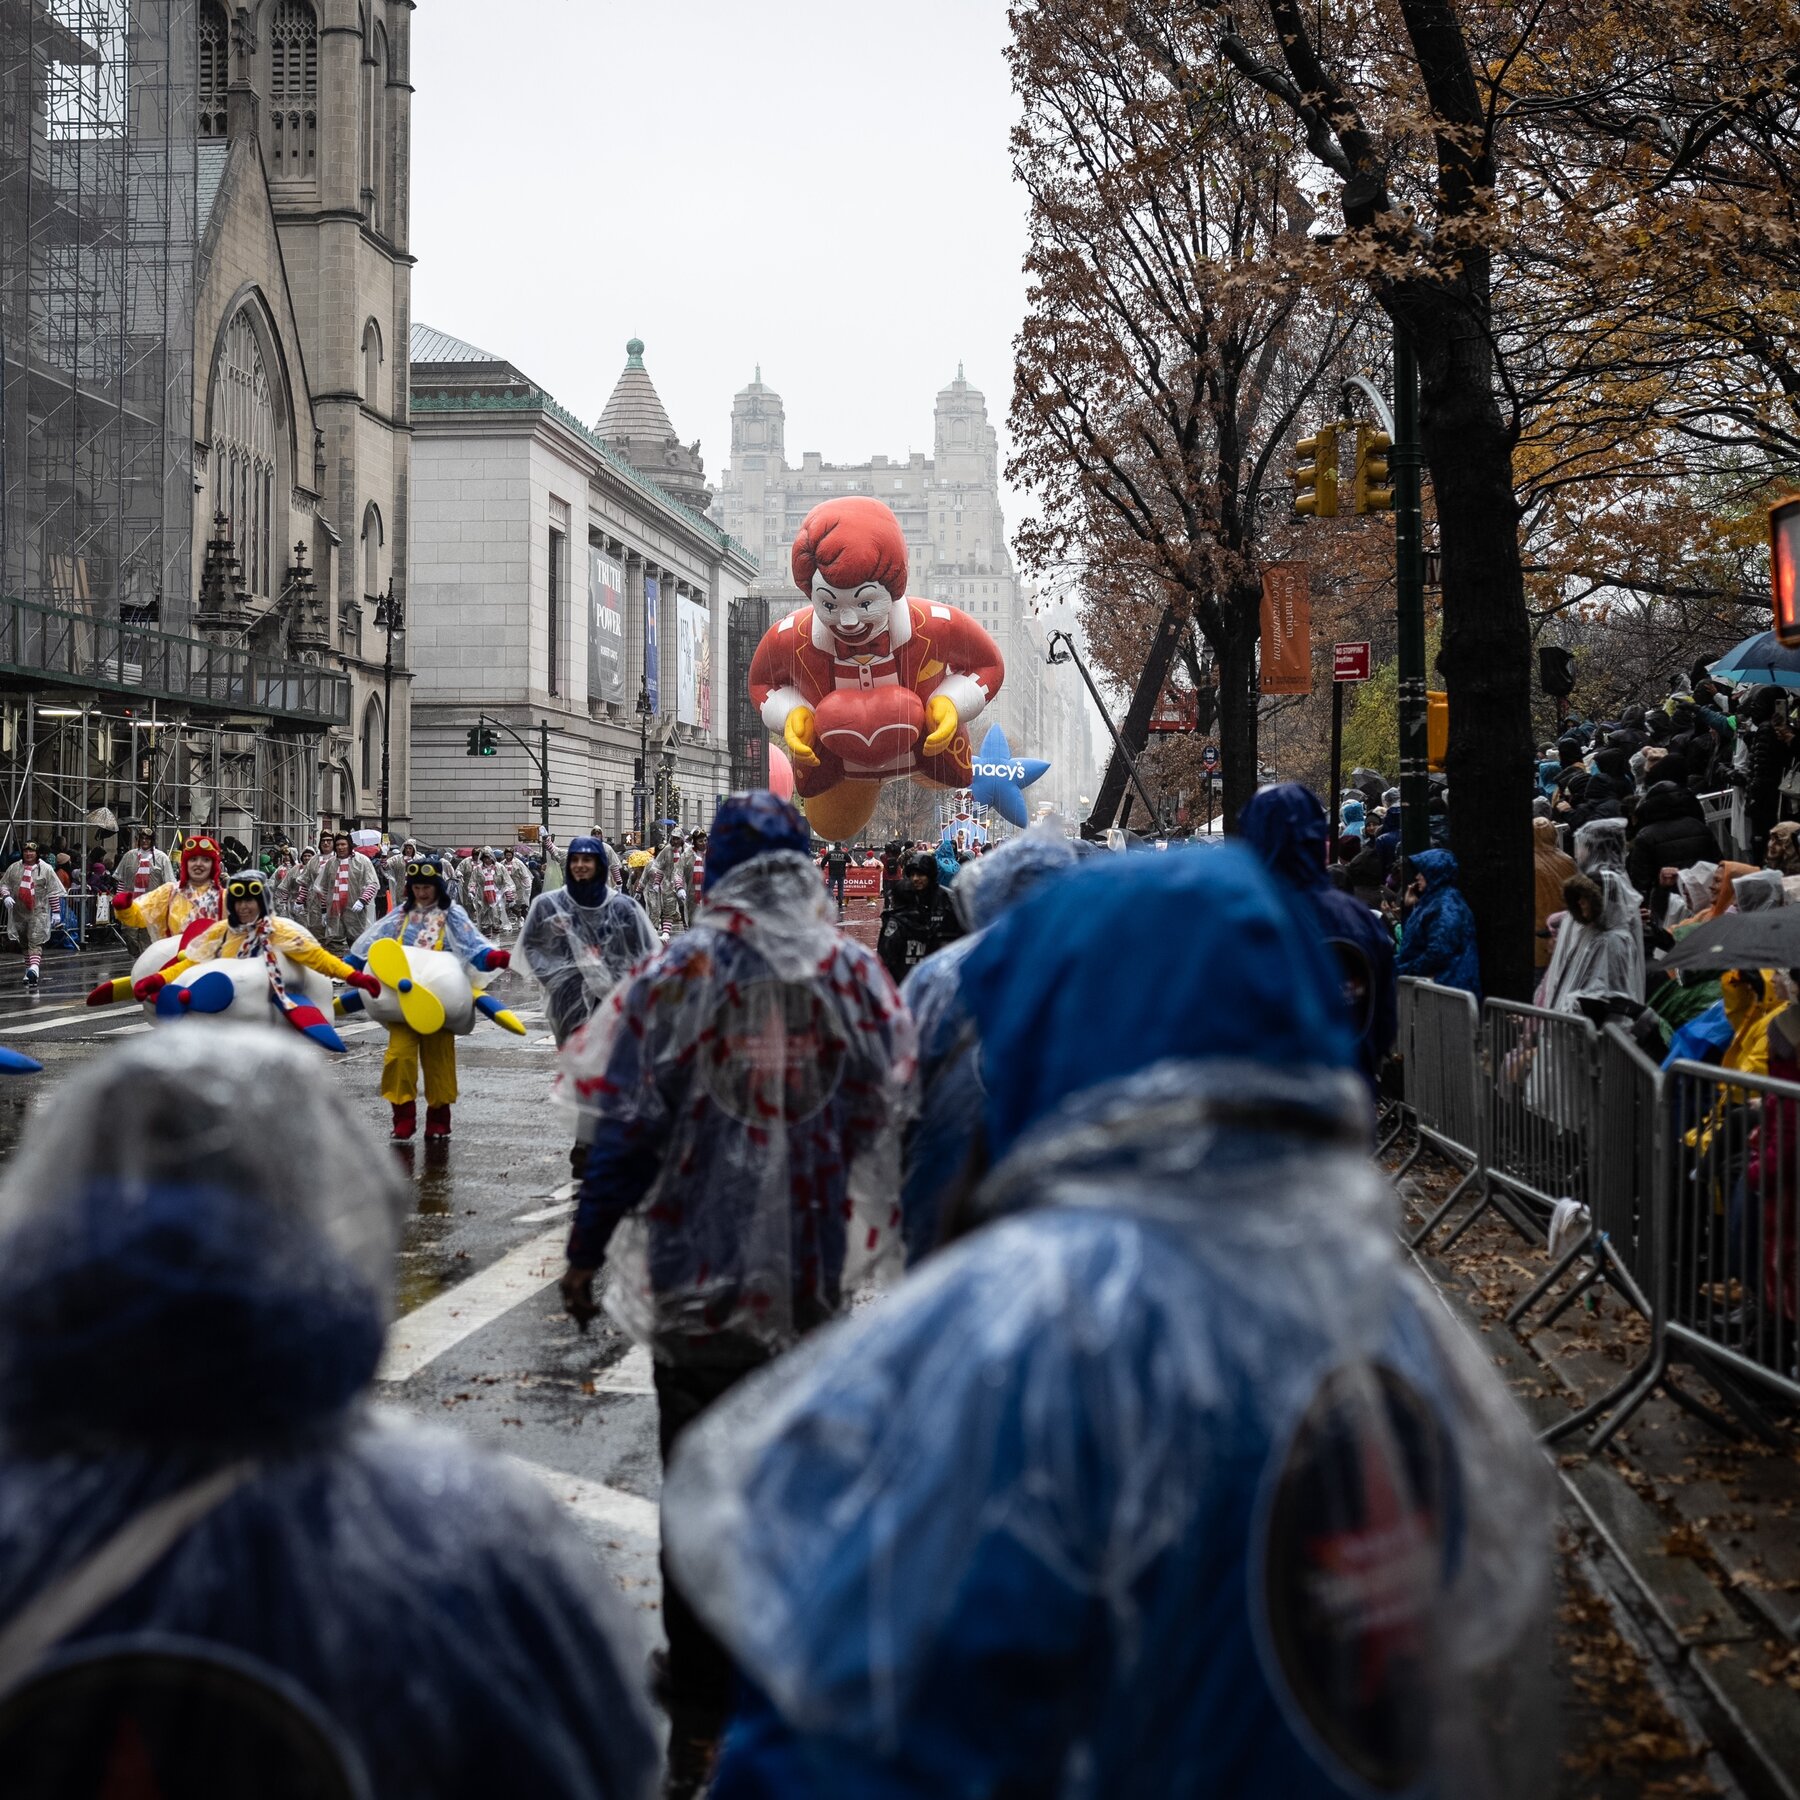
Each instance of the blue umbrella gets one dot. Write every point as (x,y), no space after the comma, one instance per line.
(1759,661)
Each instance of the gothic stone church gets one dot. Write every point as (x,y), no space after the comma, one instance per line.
(301,329)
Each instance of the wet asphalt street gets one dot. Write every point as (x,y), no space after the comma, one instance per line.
(480,1340)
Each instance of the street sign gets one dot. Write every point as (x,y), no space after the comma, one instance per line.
(1209,758)
(1349,662)
(538,799)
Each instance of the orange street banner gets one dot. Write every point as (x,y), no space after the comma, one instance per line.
(1287,629)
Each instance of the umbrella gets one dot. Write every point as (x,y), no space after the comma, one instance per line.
(1759,661)
(1767,939)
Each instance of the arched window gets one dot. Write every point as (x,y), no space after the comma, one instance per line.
(371,549)
(371,744)
(293,91)
(371,349)
(243,450)
(215,69)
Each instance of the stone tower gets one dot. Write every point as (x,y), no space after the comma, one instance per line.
(636,426)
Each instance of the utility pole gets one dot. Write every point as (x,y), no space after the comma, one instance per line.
(1409,571)
(390,615)
(543,777)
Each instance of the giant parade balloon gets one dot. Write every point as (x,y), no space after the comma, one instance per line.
(864,684)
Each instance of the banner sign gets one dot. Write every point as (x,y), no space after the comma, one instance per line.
(693,664)
(652,656)
(606,627)
(1287,629)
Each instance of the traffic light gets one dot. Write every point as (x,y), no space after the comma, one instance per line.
(474,748)
(483,741)
(1784,569)
(1556,671)
(1315,482)
(1373,494)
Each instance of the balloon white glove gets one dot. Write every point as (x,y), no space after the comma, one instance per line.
(357,907)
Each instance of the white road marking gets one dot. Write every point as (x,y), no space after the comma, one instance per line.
(629,1375)
(76,1018)
(544,1214)
(38,1012)
(440,1324)
(129,1030)
(609,1506)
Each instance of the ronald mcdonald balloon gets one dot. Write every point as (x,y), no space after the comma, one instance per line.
(863,685)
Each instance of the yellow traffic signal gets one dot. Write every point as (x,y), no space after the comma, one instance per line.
(1372,490)
(1316,482)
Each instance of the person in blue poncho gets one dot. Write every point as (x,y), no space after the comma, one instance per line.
(220,1572)
(1286,826)
(939,1138)
(1169,1480)
(1438,940)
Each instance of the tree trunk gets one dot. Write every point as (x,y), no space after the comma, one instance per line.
(1486,651)
(1236,655)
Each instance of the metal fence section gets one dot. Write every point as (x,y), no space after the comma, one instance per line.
(1728,1254)
(1441,1033)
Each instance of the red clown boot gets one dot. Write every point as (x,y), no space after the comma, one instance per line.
(437,1122)
(405,1117)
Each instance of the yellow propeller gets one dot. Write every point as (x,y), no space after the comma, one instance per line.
(422,1010)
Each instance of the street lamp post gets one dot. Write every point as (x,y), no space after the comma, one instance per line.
(390,616)
(640,793)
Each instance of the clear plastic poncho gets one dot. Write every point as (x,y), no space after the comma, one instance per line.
(1177,1483)
(196,1264)
(744,1093)
(578,954)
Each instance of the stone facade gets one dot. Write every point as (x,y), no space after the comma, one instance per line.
(303,299)
(511,494)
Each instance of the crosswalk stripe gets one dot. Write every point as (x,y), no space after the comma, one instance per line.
(595,1500)
(424,1334)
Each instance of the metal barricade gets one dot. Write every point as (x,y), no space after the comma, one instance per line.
(1728,1252)
(1540,1115)
(1393,1113)
(1443,1084)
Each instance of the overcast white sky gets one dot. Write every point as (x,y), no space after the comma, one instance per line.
(818,186)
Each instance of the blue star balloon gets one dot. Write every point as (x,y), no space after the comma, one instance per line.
(1000,778)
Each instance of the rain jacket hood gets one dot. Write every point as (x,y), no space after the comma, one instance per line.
(591,892)
(1286,826)
(1437,866)
(993,884)
(1054,1019)
(185,1256)
(751,824)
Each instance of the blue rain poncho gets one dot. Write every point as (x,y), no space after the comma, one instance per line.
(1437,942)
(1286,826)
(1171,1481)
(743,1094)
(196,1264)
(938,1140)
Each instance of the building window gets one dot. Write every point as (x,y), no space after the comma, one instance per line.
(371,350)
(375,73)
(371,549)
(243,450)
(215,68)
(371,745)
(293,91)
(555,591)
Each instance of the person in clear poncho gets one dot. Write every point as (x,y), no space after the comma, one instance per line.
(746,1087)
(938,1139)
(578,941)
(1600,946)
(197,1249)
(1171,1479)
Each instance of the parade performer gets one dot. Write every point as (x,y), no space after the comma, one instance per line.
(252,931)
(184,907)
(487,894)
(343,890)
(516,872)
(394,871)
(429,920)
(579,940)
(663,894)
(863,684)
(32,893)
(140,869)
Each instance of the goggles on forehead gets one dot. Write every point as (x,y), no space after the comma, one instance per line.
(425,871)
(198,844)
(250,887)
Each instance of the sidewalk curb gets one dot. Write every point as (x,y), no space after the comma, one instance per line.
(1713,1643)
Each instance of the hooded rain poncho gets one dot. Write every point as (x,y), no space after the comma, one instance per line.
(196,1267)
(1170,1482)
(746,1090)
(579,941)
